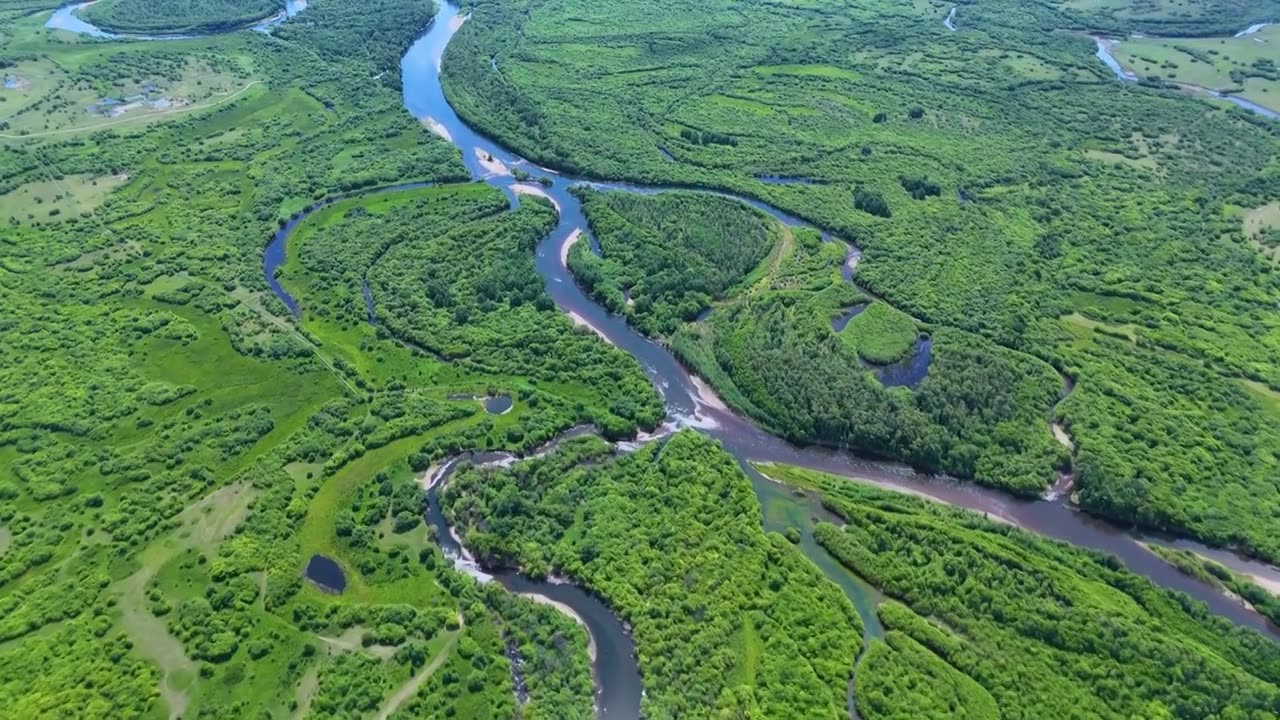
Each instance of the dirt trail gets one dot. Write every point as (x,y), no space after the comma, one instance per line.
(154,642)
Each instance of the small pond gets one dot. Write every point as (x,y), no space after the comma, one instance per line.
(326,573)
(911,370)
(498,404)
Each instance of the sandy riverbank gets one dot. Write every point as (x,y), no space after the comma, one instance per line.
(492,166)
(536,191)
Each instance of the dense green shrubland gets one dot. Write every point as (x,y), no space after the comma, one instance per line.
(1012,625)
(769,349)
(170,17)
(173,449)
(670,254)
(726,619)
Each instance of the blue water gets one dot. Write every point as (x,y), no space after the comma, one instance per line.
(326,573)
(615,671)
(1251,29)
(911,370)
(839,322)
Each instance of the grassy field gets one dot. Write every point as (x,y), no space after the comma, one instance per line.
(1170,17)
(75,106)
(1262,228)
(1244,65)
(57,200)
(880,333)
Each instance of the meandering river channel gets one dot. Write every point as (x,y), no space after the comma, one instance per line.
(691,403)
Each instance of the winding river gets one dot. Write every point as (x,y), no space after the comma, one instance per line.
(690,403)
(613,662)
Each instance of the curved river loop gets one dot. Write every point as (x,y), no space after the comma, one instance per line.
(690,403)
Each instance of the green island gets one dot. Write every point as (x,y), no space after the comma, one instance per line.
(177,17)
(221,489)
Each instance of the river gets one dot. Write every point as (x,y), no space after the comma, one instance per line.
(613,662)
(690,403)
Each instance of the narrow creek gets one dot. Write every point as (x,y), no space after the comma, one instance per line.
(690,403)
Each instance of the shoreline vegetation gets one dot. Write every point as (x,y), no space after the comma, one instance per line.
(941,616)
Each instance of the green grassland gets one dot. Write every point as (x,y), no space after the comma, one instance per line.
(997,179)
(880,333)
(71,88)
(1244,65)
(55,200)
(1167,17)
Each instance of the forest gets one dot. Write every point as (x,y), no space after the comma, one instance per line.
(177,446)
(728,621)
(1080,225)
(769,345)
